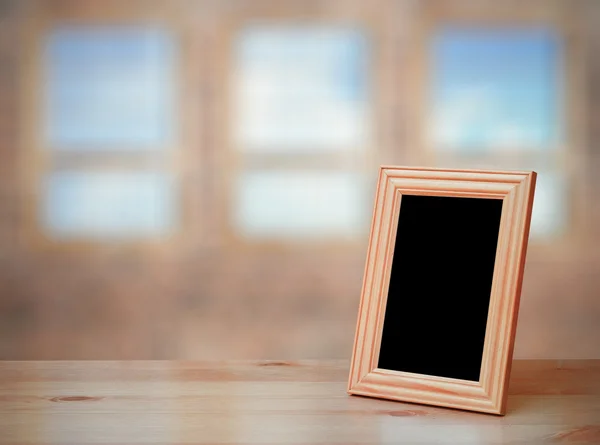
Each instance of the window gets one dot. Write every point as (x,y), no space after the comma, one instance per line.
(496,90)
(496,99)
(109,132)
(301,128)
(115,204)
(300,204)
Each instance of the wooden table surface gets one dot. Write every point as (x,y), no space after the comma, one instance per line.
(271,402)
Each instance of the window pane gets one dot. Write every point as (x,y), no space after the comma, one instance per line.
(109,204)
(109,88)
(300,88)
(300,204)
(495,90)
(550,212)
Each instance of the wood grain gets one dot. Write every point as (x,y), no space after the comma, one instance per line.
(488,395)
(260,402)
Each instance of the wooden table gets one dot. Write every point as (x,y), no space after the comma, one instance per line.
(274,402)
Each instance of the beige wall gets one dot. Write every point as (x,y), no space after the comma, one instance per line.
(209,296)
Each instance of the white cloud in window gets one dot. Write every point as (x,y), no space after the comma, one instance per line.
(300,88)
(109,205)
(550,212)
(301,204)
(472,119)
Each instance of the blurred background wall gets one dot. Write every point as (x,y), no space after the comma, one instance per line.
(195,179)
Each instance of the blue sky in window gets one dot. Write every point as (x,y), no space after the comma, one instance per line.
(494,89)
(109,205)
(301,88)
(109,88)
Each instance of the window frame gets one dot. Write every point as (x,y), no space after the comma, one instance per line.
(37,159)
(362,161)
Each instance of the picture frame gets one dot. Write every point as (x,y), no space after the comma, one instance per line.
(506,197)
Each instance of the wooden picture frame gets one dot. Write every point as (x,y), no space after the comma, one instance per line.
(487,394)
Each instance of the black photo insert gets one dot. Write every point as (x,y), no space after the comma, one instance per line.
(440,285)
